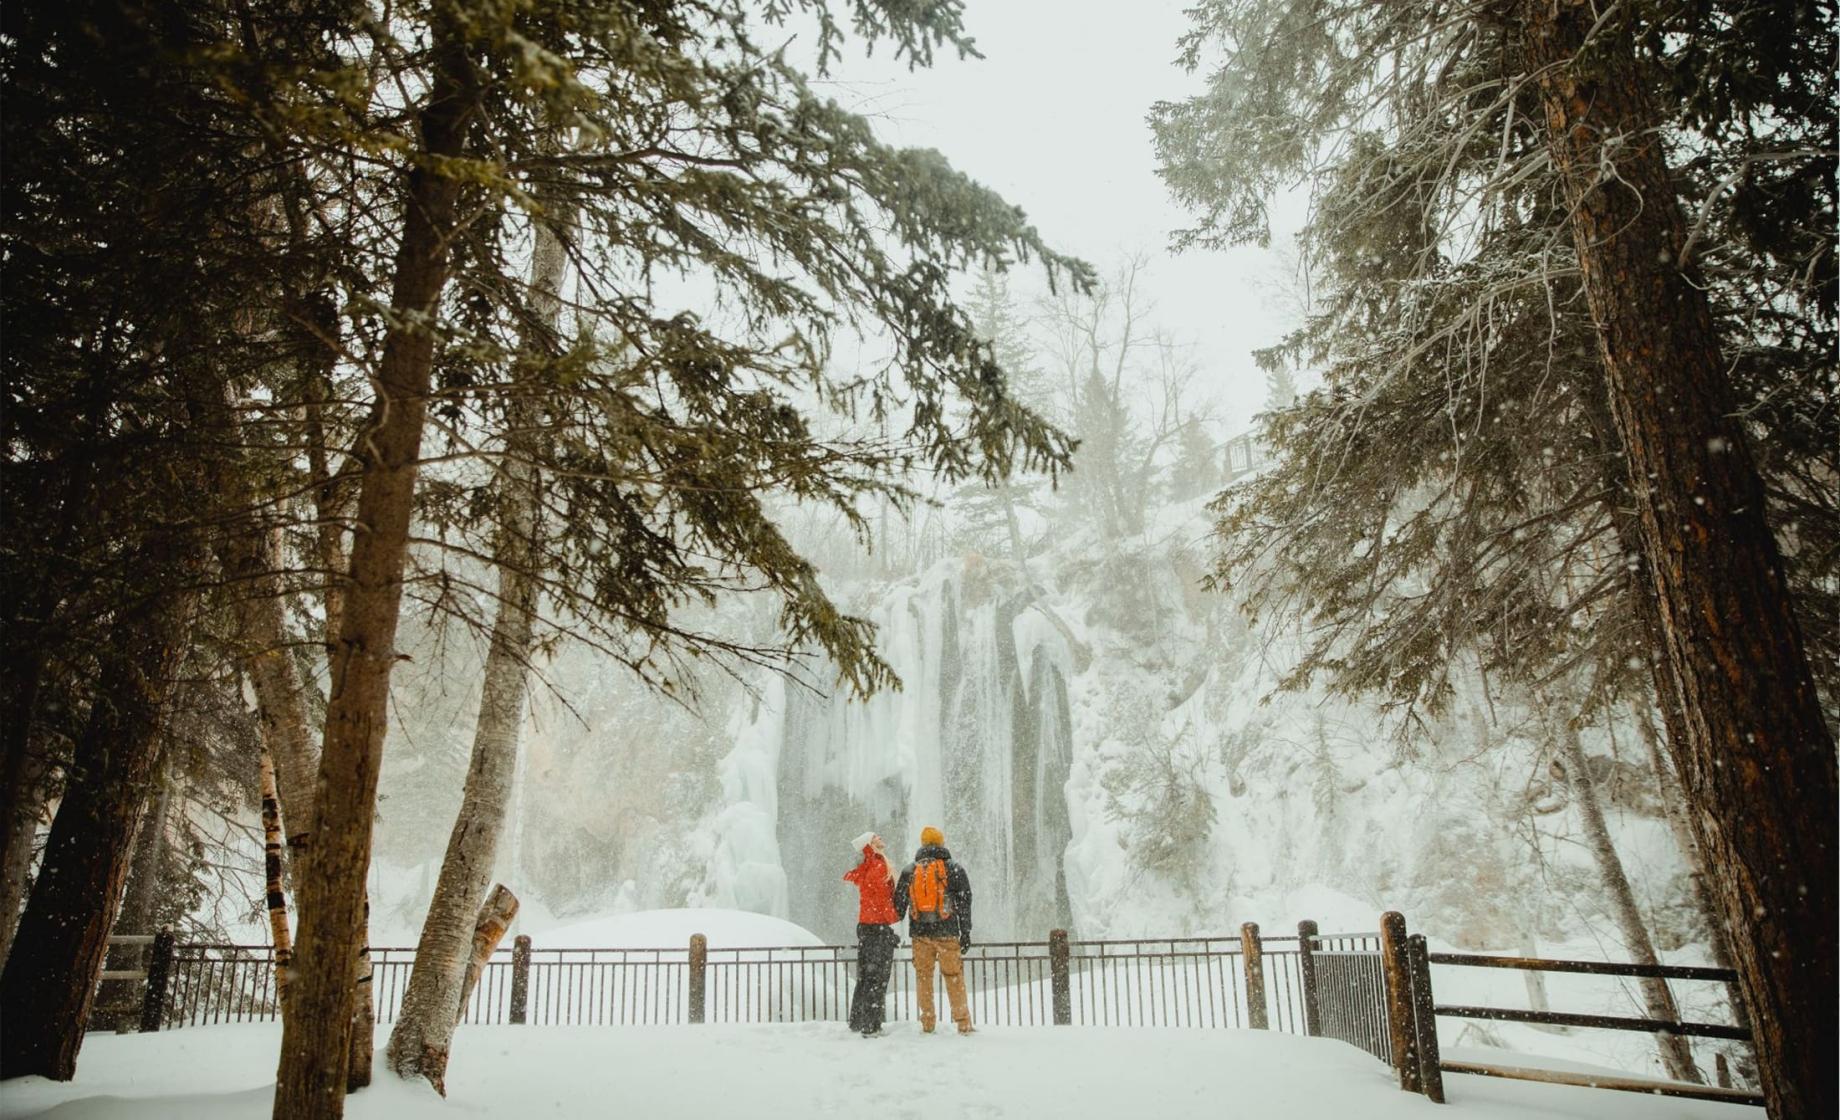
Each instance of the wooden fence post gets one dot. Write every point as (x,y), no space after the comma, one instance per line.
(1254,955)
(520,979)
(1306,971)
(1723,1068)
(1399,998)
(1430,1063)
(1059,973)
(699,988)
(159,975)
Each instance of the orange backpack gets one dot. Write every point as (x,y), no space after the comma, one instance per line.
(931,900)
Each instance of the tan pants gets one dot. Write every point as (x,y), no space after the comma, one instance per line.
(952,967)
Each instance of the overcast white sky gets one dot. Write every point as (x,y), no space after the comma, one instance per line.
(1053,118)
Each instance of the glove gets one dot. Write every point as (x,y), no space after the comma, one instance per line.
(964,939)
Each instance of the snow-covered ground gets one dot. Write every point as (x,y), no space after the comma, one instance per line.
(810,1070)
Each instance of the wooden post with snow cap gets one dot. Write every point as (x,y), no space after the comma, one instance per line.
(1254,960)
(159,975)
(1399,999)
(1306,973)
(699,966)
(520,979)
(1424,1019)
(1059,973)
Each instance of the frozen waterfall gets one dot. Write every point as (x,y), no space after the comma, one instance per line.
(978,742)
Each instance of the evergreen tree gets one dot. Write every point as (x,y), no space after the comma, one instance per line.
(1197,468)
(238,206)
(1280,387)
(1481,424)
(989,511)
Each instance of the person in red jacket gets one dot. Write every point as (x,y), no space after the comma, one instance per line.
(875,936)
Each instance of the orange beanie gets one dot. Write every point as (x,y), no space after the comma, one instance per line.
(932,836)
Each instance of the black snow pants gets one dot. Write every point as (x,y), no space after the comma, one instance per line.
(874,962)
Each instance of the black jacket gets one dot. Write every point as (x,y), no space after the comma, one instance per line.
(958,888)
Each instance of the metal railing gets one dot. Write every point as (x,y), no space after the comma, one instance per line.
(1371,990)
(1191,982)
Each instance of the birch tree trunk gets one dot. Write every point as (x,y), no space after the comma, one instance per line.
(1756,758)
(316,1037)
(423,1035)
(250,557)
(251,560)
(1676,1052)
(272,845)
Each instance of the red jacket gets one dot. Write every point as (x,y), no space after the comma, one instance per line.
(875,888)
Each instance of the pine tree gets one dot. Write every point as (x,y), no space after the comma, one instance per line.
(1476,426)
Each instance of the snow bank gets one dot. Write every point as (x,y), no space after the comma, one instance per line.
(796,1072)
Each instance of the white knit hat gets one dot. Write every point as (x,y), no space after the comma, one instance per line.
(862,841)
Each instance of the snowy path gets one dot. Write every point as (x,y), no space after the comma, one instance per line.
(815,1070)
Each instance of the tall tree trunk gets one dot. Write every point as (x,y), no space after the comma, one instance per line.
(25,634)
(250,556)
(361,1049)
(272,846)
(49,984)
(330,501)
(20,818)
(420,1042)
(328,505)
(1675,809)
(251,561)
(1676,1052)
(316,1037)
(118,1002)
(1756,759)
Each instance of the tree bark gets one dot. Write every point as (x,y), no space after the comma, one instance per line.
(1675,809)
(251,561)
(328,506)
(311,1079)
(118,1002)
(26,634)
(495,917)
(423,1035)
(329,501)
(1676,1052)
(361,1050)
(489,926)
(1756,759)
(23,813)
(49,984)
(272,846)
(250,556)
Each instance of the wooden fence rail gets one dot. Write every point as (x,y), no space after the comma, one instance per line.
(1413,1013)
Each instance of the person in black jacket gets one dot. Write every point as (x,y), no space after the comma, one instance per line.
(934,895)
